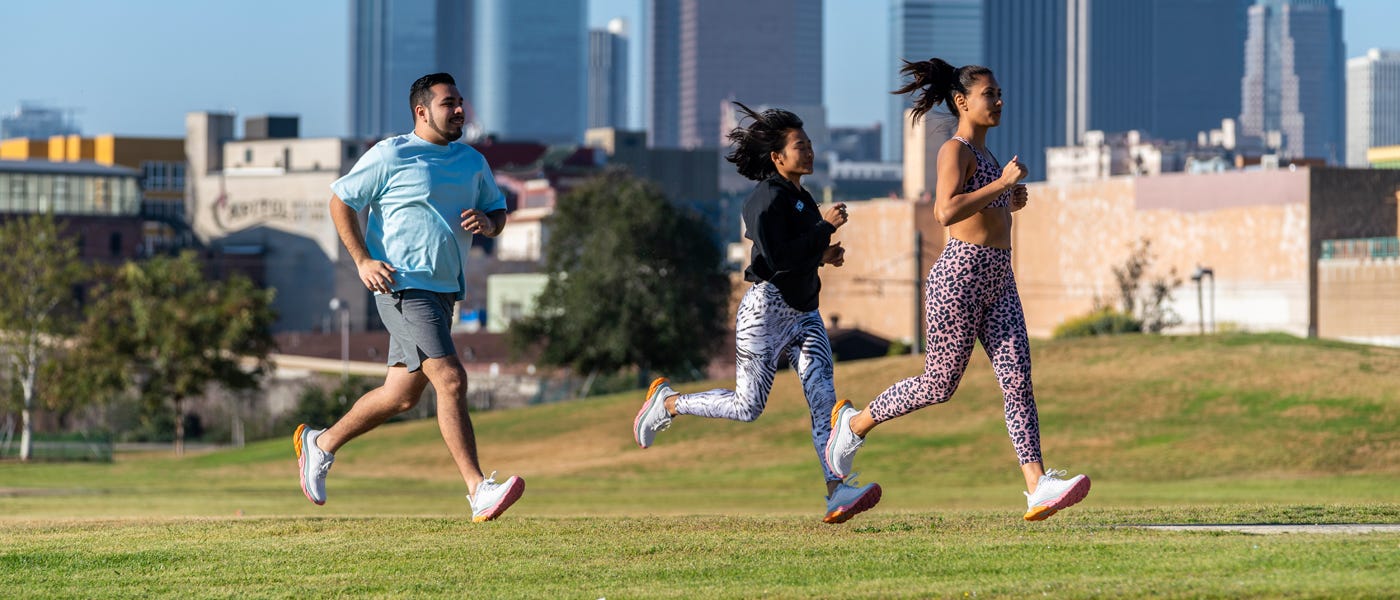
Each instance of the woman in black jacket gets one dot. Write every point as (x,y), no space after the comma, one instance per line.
(791,241)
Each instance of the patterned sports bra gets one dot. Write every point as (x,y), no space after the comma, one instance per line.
(987,172)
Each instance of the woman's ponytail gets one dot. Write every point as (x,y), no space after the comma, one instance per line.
(935,82)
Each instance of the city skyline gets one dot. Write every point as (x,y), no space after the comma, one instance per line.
(141,77)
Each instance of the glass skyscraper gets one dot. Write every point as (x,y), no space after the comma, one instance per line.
(1293,91)
(1373,103)
(393,43)
(1069,66)
(531,69)
(520,64)
(1028,45)
(921,29)
(607,76)
(704,52)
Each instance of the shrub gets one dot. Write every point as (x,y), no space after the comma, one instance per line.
(1104,321)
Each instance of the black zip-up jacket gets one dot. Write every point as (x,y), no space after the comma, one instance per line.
(789,237)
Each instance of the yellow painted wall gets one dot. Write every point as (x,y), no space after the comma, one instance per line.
(1384,157)
(58,148)
(23,149)
(79,148)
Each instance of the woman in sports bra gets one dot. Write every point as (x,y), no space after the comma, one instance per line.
(971,291)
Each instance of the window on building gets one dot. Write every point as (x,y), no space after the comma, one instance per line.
(115,243)
(100,198)
(511,311)
(60,192)
(17,190)
(150,176)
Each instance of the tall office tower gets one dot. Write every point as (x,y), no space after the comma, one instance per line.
(703,52)
(37,121)
(1142,73)
(1292,92)
(1373,103)
(393,43)
(1114,64)
(1195,76)
(921,29)
(607,76)
(1036,50)
(663,59)
(456,28)
(1069,66)
(532,69)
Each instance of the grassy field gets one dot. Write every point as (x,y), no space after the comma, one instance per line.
(1229,429)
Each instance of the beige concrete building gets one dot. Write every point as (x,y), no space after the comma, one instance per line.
(1260,232)
(270,197)
(922,139)
(890,245)
(1359,291)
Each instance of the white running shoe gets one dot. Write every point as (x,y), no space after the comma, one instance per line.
(842,444)
(313,462)
(493,498)
(1053,494)
(653,417)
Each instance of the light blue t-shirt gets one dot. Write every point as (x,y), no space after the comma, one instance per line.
(416,191)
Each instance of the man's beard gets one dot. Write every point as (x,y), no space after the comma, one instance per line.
(449,136)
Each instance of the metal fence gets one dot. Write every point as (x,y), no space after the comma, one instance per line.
(1379,247)
(86,447)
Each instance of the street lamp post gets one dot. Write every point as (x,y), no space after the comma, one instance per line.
(1202,272)
(340,307)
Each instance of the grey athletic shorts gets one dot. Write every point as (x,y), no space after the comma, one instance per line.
(419,324)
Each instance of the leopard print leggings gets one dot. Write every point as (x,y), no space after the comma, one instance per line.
(971,295)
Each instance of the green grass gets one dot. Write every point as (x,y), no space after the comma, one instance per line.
(960,554)
(1221,429)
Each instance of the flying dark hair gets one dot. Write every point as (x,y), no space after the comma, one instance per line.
(937,81)
(421,92)
(754,145)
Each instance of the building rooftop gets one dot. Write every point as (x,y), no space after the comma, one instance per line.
(85,167)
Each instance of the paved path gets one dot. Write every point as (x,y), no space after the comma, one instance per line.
(1274,529)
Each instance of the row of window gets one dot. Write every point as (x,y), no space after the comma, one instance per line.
(69,194)
(162,176)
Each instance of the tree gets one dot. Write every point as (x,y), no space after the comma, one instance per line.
(38,273)
(1150,310)
(165,330)
(633,281)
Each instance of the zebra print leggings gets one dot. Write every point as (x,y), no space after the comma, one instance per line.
(766,328)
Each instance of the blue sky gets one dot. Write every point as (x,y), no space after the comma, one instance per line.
(136,67)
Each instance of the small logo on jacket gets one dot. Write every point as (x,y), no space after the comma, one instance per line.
(800,205)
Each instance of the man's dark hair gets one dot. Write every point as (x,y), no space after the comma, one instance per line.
(421,92)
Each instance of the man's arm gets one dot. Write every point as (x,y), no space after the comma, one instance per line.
(347,224)
(488,224)
(378,276)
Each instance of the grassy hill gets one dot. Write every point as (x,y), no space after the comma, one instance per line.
(1153,420)
(1230,429)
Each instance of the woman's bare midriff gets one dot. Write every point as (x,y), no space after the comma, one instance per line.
(989,227)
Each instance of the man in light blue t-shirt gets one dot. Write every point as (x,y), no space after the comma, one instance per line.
(426,197)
